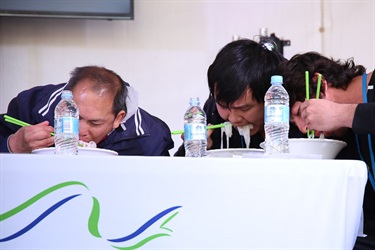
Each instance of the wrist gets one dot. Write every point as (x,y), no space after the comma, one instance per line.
(348,115)
(8,144)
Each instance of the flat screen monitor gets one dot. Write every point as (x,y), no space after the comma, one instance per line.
(90,9)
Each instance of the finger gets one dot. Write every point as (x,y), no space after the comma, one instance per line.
(209,142)
(209,132)
(296,111)
(35,134)
(44,143)
(44,123)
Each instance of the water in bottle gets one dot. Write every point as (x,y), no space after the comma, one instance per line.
(276,117)
(195,133)
(66,125)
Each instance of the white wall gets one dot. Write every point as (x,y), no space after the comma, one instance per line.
(165,52)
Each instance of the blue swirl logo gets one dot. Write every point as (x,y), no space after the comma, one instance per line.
(163,218)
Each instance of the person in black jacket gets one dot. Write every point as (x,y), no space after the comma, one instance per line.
(238,79)
(345,111)
(109,116)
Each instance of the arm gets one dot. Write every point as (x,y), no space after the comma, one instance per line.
(15,139)
(364,119)
(4,144)
(5,132)
(28,138)
(24,107)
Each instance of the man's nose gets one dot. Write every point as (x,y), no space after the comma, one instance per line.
(234,117)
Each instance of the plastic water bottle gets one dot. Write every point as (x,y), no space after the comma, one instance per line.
(195,133)
(66,125)
(276,117)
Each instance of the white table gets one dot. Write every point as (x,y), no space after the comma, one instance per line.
(204,203)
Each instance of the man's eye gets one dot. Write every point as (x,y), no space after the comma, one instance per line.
(95,124)
(245,109)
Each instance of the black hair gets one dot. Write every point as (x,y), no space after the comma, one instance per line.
(240,65)
(338,73)
(102,78)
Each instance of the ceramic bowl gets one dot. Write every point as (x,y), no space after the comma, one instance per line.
(322,148)
(236,153)
(81,151)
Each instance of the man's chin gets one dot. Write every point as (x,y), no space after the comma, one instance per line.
(337,134)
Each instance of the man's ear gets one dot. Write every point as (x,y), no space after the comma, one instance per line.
(323,89)
(119,117)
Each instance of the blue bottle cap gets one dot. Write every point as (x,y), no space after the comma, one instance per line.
(276,79)
(66,94)
(194,101)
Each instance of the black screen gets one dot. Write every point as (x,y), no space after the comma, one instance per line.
(96,9)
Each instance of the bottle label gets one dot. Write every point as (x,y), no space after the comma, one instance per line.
(195,131)
(66,125)
(276,113)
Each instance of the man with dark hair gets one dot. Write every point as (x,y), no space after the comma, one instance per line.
(344,111)
(109,116)
(238,79)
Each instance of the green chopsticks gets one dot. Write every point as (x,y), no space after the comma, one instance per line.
(15,121)
(177,132)
(318,87)
(308,95)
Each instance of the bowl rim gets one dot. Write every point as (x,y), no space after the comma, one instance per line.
(236,149)
(50,150)
(319,139)
(234,152)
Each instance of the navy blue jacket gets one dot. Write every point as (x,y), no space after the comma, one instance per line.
(139,134)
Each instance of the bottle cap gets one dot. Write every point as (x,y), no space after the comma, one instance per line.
(276,79)
(66,94)
(194,101)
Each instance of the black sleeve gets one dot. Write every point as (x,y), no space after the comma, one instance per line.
(364,119)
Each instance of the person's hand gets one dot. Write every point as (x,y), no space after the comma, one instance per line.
(31,137)
(325,115)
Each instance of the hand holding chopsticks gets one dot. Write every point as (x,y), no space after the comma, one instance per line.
(29,137)
(15,121)
(312,135)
